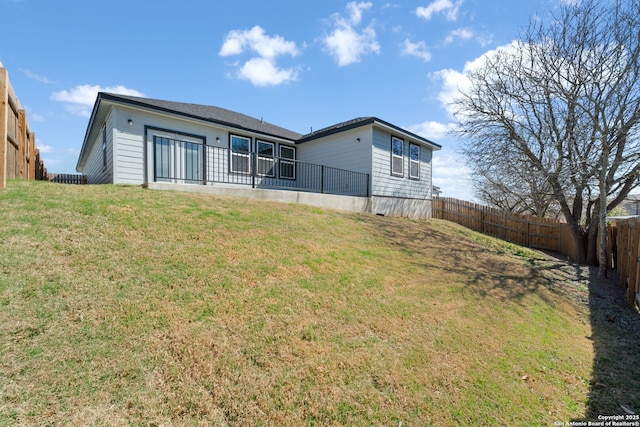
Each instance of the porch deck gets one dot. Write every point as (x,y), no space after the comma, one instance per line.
(183,162)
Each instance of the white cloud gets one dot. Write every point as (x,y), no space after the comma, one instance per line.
(255,39)
(261,70)
(43,148)
(484,39)
(447,7)
(345,43)
(31,116)
(48,162)
(418,50)
(452,175)
(80,99)
(432,130)
(454,81)
(265,72)
(355,11)
(460,33)
(37,77)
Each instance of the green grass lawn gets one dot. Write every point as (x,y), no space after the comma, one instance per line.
(120,305)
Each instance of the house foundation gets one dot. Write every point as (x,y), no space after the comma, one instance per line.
(389,206)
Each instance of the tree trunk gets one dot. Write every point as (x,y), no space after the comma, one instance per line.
(602,227)
(602,209)
(580,241)
(592,245)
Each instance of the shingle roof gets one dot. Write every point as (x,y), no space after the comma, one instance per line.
(362,121)
(338,127)
(208,113)
(228,118)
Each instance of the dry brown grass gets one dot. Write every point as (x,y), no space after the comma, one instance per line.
(126,306)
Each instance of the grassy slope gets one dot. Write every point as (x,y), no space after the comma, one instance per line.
(122,305)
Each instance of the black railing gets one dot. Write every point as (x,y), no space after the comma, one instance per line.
(186,162)
(68,178)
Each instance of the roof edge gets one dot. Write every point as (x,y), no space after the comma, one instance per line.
(359,122)
(94,112)
(327,131)
(132,102)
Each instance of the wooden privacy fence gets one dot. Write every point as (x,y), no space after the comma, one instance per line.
(623,236)
(623,246)
(19,157)
(533,232)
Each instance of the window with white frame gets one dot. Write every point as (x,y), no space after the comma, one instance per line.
(397,156)
(414,161)
(266,158)
(240,154)
(287,162)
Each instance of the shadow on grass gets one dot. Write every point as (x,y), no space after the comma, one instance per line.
(615,327)
(615,383)
(481,265)
(614,388)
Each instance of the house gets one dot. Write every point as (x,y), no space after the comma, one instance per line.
(365,164)
(631,204)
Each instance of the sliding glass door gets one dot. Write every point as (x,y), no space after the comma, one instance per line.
(178,159)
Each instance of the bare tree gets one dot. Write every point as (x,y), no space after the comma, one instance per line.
(564,103)
(508,183)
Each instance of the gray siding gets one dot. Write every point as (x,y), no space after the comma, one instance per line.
(341,151)
(128,155)
(131,148)
(95,171)
(365,149)
(385,184)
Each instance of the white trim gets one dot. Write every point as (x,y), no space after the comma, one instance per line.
(291,161)
(395,156)
(414,162)
(239,154)
(266,159)
(407,135)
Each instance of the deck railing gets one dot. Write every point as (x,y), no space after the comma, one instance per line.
(68,178)
(188,162)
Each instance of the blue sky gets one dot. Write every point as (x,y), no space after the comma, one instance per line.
(298,64)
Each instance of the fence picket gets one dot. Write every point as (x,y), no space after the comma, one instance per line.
(525,230)
(19,158)
(623,253)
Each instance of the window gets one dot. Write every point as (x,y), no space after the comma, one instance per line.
(240,154)
(104,148)
(178,159)
(414,161)
(397,156)
(287,162)
(192,160)
(163,157)
(266,160)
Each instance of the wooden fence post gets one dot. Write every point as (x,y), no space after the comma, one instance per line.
(633,261)
(4,104)
(31,161)
(632,292)
(22,145)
